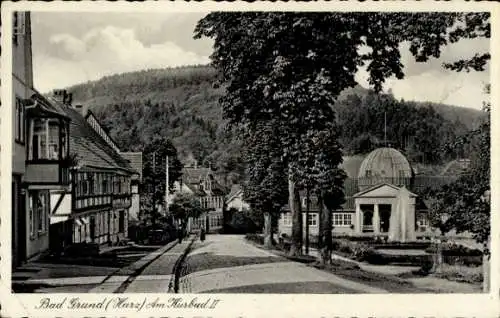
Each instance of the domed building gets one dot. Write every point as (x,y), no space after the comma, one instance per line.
(384,205)
(382,198)
(384,165)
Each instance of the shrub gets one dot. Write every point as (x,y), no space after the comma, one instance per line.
(463,274)
(259,239)
(402,246)
(374,256)
(353,250)
(427,266)
(455,250)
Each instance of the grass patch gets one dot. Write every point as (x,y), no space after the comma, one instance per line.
(354,273)
(205,261)
(287,288)
(462,274)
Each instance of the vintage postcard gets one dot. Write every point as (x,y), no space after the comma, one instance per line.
(249,159)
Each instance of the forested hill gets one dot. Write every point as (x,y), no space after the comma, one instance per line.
(182,104)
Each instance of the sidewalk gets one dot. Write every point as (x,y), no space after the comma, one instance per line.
(51,277)
(122,277)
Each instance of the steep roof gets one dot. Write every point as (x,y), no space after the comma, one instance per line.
(135,159)
(456,167)
(385,163)
(235,189)
(92,150)
(194,175)
(351,165)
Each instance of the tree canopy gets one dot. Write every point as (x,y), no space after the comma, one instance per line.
(154,168)
(288,68)
(185,206)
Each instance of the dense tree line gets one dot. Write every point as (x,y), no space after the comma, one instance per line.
(422,133)
(190,116)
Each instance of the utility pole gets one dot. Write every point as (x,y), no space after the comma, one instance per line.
(385,129)
(154,188)
(307,221)
(166,184)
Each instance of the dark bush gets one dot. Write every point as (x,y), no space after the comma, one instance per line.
(83,249)
(256,238)
(426,267)
(455,250)
(403,246)
(373,256)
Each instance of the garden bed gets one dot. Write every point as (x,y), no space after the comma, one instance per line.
(354,273)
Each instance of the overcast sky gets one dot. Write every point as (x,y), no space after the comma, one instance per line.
(70,48)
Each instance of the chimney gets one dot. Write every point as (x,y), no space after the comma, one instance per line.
(79,108)
(60,95)
(69,99)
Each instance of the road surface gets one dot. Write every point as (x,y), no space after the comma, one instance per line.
(230,264)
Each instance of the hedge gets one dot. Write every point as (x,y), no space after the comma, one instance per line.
(373,256)
(455,250)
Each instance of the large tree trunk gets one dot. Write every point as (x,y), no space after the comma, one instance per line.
(325,231)
(268,230)
(486,267)
(295,208)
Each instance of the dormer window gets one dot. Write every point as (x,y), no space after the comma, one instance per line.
(368,173)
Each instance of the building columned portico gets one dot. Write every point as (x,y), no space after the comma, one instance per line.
(376,208)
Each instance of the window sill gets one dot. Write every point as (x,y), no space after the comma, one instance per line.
(342,225)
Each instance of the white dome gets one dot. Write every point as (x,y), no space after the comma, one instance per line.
(384,165)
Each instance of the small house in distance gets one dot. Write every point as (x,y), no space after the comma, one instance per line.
(135,160)
(235,200)
(201,183)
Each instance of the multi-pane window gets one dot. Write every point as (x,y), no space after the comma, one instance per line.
(18,27)
(19,121)
(105,187)
(287,219)
(312,219)
(44,139)
(342,219)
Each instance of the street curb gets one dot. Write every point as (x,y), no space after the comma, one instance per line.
(178,266)
(136,268)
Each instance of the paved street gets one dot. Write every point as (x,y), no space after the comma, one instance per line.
(228,263)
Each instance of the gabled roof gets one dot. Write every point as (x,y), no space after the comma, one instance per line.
(89,115)
(92,150)
(40,105)
(378,186)
(456,167)
(193,175)
(236,189)
(351,165)
(135,159)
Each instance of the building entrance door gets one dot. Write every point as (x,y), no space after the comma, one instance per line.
(367,210)
(18,220)
(384,211)
(92,228)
